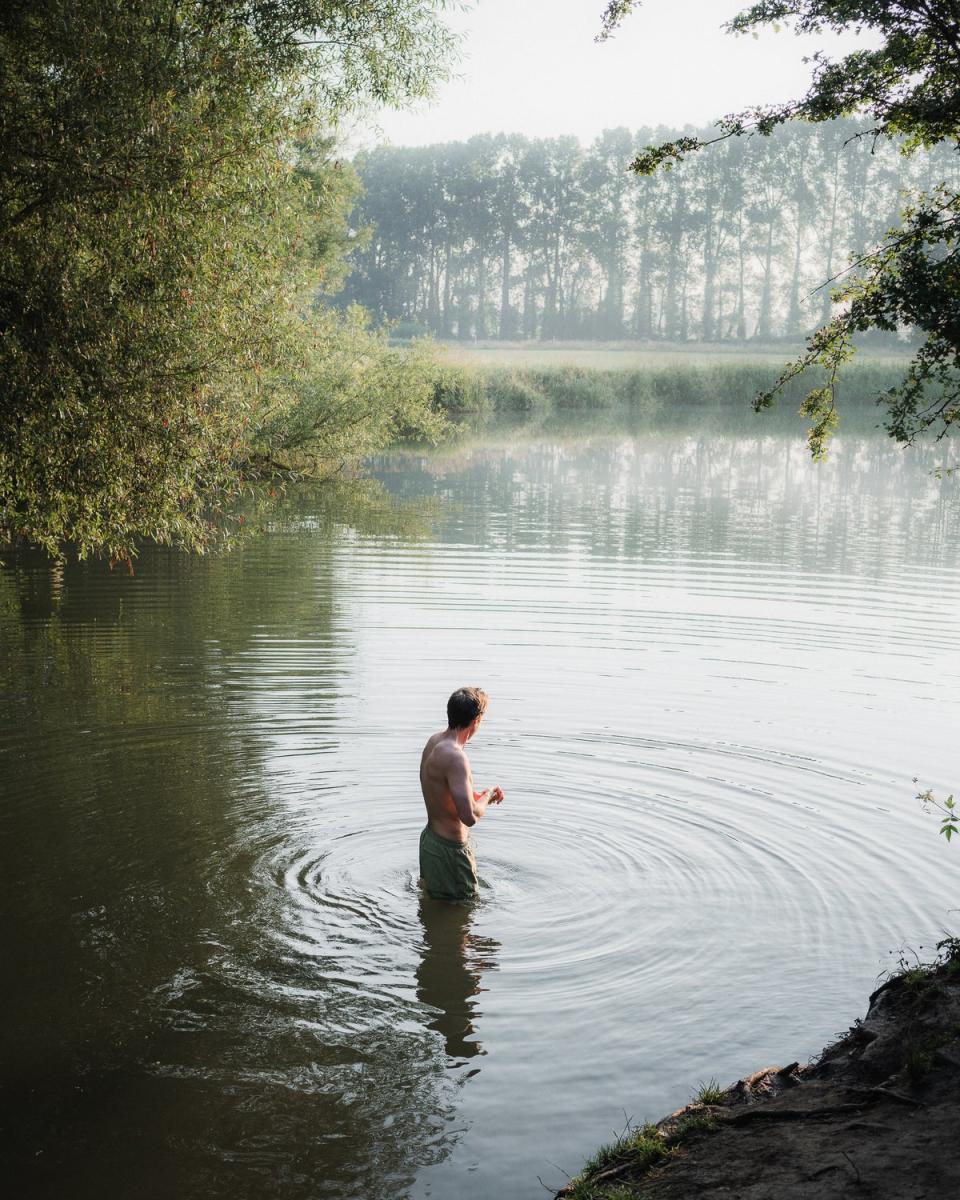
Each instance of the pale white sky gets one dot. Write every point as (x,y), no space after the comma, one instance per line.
(531,66)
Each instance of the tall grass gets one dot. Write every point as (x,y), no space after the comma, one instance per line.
(463,389)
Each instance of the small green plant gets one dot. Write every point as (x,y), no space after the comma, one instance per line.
(923,978)
(648,1146)
(948,955)
(709,1093)
(605,1157)
(910,970)
(587,1191)
(950,818)
(638,1150)
(694,1123)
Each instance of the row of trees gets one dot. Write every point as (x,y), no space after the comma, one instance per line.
(510,237)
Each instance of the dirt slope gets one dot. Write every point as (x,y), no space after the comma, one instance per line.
(878,1115)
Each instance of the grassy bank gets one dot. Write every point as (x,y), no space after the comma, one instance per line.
(653,389)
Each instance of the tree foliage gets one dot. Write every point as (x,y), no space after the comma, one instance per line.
(167,218)
(907,88)
(357,395)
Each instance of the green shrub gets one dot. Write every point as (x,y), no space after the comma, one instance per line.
(514,391)
(459,390)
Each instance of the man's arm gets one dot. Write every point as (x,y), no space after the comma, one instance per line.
(470,805)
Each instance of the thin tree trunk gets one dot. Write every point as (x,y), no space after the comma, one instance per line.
(446,324)
(480,323)
(826,306)
(794,316)
(709,282)
(505,322)
(764,322)
(741,307)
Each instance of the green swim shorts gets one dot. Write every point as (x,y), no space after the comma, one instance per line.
(448,869)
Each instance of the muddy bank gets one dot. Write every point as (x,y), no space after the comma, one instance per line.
(877,1115)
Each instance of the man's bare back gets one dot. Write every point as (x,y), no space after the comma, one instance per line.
(447,865)
(447,785)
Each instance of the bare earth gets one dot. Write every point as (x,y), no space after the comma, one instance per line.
(878,1115)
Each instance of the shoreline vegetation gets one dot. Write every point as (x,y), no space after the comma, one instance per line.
(569,377)
(874,1115)
(433,394)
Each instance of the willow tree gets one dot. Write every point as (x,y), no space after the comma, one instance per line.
(162,243)
(907,88)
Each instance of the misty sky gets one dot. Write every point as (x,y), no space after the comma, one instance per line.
(531,66)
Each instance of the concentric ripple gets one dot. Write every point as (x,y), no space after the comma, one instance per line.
(715,670)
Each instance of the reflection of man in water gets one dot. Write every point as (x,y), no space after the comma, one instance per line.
(447,865)
(448,977)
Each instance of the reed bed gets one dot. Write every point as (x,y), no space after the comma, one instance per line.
(466,389)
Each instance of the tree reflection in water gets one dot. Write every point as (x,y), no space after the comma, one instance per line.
(449,975)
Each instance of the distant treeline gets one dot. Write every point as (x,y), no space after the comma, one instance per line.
(514,238)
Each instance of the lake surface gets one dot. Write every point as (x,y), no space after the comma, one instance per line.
(715,669)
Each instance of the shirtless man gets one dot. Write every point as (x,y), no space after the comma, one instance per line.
(447,865)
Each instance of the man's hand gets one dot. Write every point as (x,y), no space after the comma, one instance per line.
(492,795)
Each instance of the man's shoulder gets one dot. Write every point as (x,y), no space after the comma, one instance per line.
(441,750)
(433,743)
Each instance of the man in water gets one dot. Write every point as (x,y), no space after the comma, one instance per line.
(447,865)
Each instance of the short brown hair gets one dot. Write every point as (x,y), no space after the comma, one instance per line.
(464,706)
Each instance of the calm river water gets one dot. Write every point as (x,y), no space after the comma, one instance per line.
(714,670)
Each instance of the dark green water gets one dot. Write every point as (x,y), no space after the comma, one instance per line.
(714,670)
